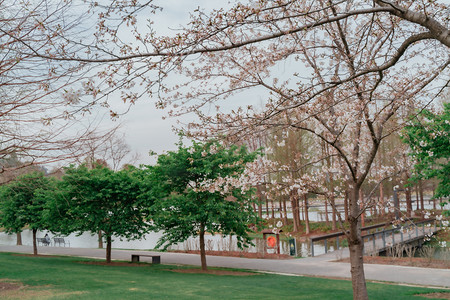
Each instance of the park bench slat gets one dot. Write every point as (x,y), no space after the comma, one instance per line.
(60,240)
(42,241)
(156,259)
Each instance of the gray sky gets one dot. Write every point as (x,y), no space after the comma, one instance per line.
(143,125)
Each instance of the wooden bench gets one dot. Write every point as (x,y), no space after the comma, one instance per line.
(61,241)
(42,241)
(156,259)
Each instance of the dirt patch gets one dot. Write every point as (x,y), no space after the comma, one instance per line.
(214,272)
(405,261)
(436,295)
(9,286)
(26,293)
(10,289)
(238,254)
(114,263)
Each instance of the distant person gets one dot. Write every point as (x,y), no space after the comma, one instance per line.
(47,239)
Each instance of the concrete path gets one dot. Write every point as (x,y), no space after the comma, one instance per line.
(311,266)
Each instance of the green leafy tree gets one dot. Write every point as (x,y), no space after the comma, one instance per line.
(24,202)
(429,138)
(204,189)
(100,199)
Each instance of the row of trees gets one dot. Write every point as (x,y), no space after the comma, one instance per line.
(195,190)
(292,157)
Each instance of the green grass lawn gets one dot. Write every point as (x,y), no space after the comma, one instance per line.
(66,278)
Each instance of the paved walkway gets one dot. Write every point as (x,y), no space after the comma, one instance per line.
(311,266)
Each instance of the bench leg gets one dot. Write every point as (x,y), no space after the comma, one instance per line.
(156,260)
(134,258)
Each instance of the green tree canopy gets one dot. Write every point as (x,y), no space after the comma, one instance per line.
(429,138)
(203,188)
(24,202)
(100,199)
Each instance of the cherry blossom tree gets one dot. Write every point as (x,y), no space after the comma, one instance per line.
(290,155)
(350,66)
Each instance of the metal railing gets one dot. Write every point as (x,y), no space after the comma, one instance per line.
(373,236)
(411,229)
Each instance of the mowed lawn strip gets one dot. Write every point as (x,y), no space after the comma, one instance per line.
(67,278)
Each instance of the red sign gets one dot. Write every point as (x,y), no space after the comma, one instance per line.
(271,242)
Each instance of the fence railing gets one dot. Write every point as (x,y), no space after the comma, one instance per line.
(373,236)
(411,229)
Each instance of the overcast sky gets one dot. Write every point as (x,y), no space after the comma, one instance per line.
(143,125)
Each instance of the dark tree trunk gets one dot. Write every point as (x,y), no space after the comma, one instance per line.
(100,239)
(357,267)
(295,210)
(280,209)
(108,248)
(202,247)
(356,248)
(305,199)
(327,220)
(408,202)
(35,252)
(422,205)
(267,206)
(19,238)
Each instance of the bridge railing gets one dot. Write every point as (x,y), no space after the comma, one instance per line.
(372,236)
(337,235)
(411,229)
